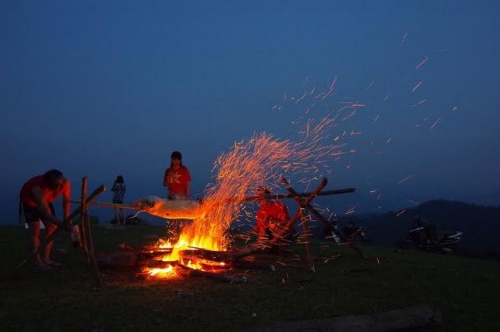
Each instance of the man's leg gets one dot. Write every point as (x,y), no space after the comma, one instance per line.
(34,228)
(122,216)
(47,249)
(50,229)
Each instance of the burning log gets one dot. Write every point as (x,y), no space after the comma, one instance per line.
(159,264)
(127,259)
(216,256)
(149,249)
(249,265)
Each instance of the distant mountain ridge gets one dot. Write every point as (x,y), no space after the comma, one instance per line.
(480,224)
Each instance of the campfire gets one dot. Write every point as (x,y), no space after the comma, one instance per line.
(204,243)
(202,256)
(204,246)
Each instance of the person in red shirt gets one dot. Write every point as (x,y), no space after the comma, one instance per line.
(271,217)
(36,198)
(177,179)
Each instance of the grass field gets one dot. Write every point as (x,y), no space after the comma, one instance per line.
(465,291)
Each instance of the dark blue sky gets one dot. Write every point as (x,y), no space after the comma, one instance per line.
(102,88)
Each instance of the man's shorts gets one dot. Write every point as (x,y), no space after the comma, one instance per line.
(31,214)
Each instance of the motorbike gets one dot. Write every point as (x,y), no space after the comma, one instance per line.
(352,235)
(418,238)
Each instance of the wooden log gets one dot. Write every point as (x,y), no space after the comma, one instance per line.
(83,228)
(307,205)
(110,205)
(298,215)
(287,196)
(229,200)
(127,259)
(302,203)
(240,252)
(406,319)
(89,199)
(158,264)
(90,242)
(217,256)
(77,211)
(148,249)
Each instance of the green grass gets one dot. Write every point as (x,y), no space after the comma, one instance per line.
(465,291)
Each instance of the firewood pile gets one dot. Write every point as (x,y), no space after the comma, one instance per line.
(216,265)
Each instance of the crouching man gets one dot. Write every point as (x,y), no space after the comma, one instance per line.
(36,198)
(272,219)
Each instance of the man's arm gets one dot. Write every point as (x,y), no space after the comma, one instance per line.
(66,205)
(43,207)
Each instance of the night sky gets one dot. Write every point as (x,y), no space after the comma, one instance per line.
(103,88)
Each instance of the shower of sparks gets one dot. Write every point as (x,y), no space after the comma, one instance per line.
(400,213)
(350,211)
(349,115)
(405,179)
(301,98)
(370,85)
(305,81)
(332,86)
(263,158)
(416,86)
(258,161)
(421,63)
(404,37)
(435,123)
(419,103)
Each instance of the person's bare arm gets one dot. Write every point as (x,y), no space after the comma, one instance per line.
(43,206)
(66,205)
(165,178)
(188,189)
